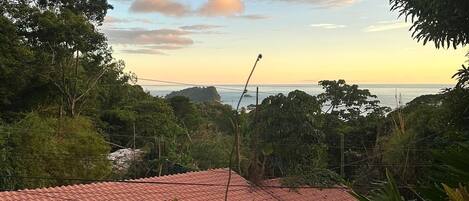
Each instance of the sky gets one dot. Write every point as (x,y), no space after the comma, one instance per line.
(302,41)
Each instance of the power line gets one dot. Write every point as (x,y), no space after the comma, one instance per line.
(196,85)
(381,153)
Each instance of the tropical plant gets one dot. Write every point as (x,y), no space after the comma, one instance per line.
(445,22)
(389,191)
(462,76)
(449,171)
(34,147)
(457,194)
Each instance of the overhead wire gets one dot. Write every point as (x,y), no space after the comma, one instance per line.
(197,85)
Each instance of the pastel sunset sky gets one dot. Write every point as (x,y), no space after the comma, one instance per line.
(303,41)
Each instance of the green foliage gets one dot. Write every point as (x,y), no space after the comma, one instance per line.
(348,101)
(456,106)
(163,140)
(218,116)
(353,113)
(445,22)
(308,175)
(46,147)
(462,76)
(291,125)
(389,191)
(450,170)
(186,112)
(14,55)
(457,194)
(68,55)
(211,151)
(429,122)
(55,62)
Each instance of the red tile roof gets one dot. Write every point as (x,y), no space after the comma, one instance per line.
(306,193)
(193,186)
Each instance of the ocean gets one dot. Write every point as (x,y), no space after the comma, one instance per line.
(386,93)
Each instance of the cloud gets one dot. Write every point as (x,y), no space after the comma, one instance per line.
(199,27)
(323,3)
(111,20)
(116,20)
(143,51)
(175,8)
(138,41)
(152,49)
(253,17)
(166,7)
(221,8)
(328,26)
(386,26)
(147,37)
(165,47)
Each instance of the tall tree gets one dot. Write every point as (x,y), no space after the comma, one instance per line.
(348,101)
(292,140)
(71,53)
(445,22)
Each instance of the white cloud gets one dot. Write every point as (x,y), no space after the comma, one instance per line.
(386,26)
(222,8)
(200,27)
(253,17)
(323,3)
(175,8)
(139,41)
(147,37)
(328,26)
(143,51)
(166,7)
(155,41)
(116,20)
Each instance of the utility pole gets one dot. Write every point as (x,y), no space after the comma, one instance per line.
(134,135)
(256,174)
(133,153)
(236,126)
(342,156)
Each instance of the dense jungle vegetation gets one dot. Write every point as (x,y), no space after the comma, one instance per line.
(66,103)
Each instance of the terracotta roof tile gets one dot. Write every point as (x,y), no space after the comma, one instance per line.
(192,186)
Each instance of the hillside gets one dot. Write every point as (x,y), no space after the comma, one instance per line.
(198,94)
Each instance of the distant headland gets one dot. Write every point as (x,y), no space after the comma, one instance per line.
(198,94)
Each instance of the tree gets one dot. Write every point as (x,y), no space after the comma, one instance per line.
(348,101)
(353,120)
(218,116)
(186,112)
(33,147)
(16,73)
(389,191)
(158,125)
(462,76)
(292,139)
(445,22)
(449,171)
(69,52)
(210,149)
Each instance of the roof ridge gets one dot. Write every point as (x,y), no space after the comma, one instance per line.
(97,182)
(177,174)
